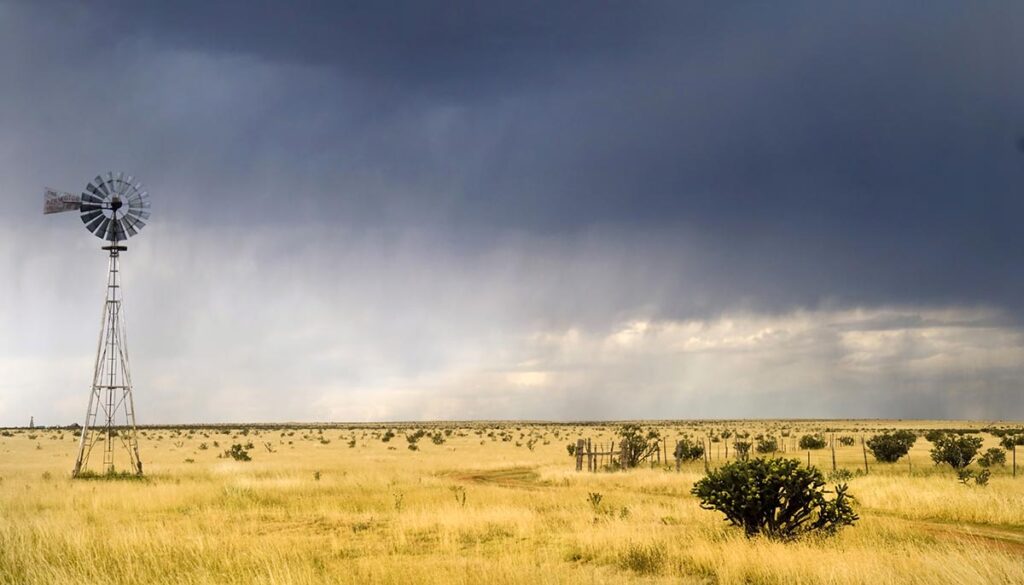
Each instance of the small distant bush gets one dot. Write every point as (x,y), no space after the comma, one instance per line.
(846,441)
(687,450)
(992,457)
(812,442)
(889,447)
(635,445)
(238,453)
(766,445)
(742,449)
(934,435)
(956,450)
(981,478)
(571,448)
(778,498)
(1009,441)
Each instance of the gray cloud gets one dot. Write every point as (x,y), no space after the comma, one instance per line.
(398,197)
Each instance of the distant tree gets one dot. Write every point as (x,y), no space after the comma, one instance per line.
(956,450)
(889,447)
(812,442)
(766,445)
(1008,441)
(634,445)
(687,450)
(742,449)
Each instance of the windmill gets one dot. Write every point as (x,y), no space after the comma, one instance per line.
(112,208)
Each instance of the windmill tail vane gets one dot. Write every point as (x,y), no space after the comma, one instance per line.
(113,208)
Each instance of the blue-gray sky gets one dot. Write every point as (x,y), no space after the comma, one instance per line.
(554,210)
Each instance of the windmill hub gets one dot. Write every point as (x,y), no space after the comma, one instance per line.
(113,208)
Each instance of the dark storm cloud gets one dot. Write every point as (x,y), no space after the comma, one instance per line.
(435,179)
(863,152)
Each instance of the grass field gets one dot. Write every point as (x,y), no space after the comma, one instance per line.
(481,507)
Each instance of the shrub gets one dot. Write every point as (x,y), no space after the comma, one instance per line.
(779,498)
(889,447)
(981,478)
(1008,441)
(634,445)
(742,449)
(992,457)
(571,448)
(238,453)
(846,441)
(934,435)
(812,442)
(766,445)
(687,450)
(956,450)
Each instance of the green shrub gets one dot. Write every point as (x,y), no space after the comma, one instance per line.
(742,449)
(889,447)
(238,453)
(812,442)
(1008,441)
(992,457)
(766,445)
(779,498)
(846,441)
(956,450)
(687,450)
(634,445)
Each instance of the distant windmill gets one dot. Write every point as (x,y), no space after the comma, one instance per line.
(112,208)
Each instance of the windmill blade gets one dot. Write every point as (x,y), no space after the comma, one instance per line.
(101,186)
(58,201)
(129,227)
(94,225)
(91,215)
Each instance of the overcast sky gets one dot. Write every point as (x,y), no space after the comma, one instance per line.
(544,210)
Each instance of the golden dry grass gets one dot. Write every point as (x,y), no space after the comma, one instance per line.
(381,513)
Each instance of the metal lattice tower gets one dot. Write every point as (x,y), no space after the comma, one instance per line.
(112,208)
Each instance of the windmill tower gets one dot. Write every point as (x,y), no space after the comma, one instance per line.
(113,208)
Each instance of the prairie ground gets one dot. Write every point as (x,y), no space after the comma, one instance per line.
(491,503)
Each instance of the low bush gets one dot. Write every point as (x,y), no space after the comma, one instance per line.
(992,457)
(767,445)
(742,449)
(812,442)
(956,450)
(687,450)
(778,498)
(238,453)
(889,447)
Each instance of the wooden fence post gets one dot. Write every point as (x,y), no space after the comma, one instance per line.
(591,466)
(865,450)
(833,442)
(1015,460)
(579,455)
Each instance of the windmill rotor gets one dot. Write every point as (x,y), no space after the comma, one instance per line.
(114,208)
